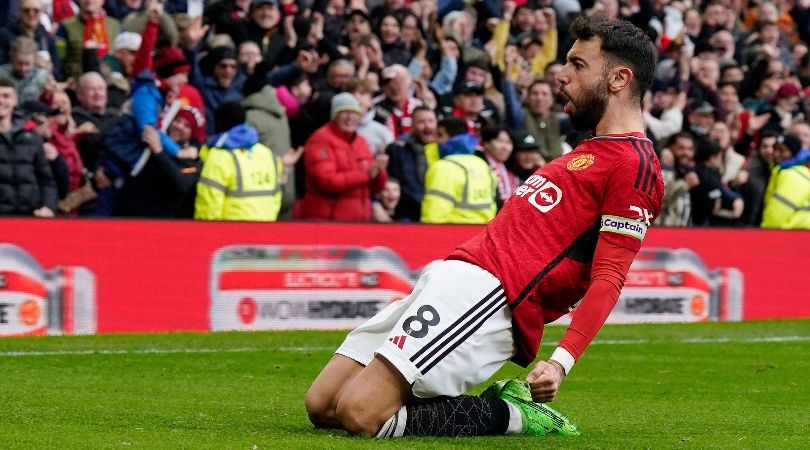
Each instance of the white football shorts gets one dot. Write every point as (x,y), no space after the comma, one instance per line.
(452,333)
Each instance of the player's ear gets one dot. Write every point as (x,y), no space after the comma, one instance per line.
(620,78)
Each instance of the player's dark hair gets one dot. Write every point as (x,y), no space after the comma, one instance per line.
(622,43)
(5,82)
(453,126)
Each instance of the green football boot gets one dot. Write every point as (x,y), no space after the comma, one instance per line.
(539,419)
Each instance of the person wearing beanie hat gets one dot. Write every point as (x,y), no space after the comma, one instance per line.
(170,61)
(341,173)
(787,197)
(344,102)
(188,127)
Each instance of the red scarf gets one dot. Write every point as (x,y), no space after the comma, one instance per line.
(472,126)
(507,183)
(95,29)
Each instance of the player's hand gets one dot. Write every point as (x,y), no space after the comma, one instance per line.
(544,380)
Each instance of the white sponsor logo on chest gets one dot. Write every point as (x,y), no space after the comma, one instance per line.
(541,193)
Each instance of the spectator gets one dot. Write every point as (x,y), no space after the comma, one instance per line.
(39,120)
(759,166)
(729,104)
(29,25)
(410,156)
(787,198)
(62,128)
(732,168)
(27,186)
(219,80)
(136,22)
(249,56)
(701,119)
(783,108)
(497,146)
(377,135)
(389,31)
(384,205)
(526,158)
(468,105)
(240,176)
(663,112)
(460,187)
(395,107)
(478,73)
(341,173)
(29,80)
(89,30)
(546,125)
(678,170)
(316,113)
(267,115)
(262,27)
(801,130)
(92,115)
(164,183)
(117,67)
(294,95)
(712,202)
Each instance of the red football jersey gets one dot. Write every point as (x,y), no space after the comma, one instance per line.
(541,244)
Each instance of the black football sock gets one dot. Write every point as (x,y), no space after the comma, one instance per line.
(449,416)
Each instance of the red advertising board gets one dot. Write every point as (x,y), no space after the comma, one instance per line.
(155,276)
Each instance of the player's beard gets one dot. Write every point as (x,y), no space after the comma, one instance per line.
(589,106)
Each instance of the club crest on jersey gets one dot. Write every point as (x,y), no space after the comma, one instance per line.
(541,193)
(581,162)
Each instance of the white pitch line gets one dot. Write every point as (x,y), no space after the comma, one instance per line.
(169,351)
(160,351)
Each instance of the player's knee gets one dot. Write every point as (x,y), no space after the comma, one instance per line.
(320,408)
(355,417)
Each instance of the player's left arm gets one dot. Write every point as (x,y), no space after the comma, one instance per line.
(610,265)
(630,205)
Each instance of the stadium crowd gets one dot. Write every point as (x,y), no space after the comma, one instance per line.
(390,110)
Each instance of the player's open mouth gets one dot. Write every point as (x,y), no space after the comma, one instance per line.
(569,105)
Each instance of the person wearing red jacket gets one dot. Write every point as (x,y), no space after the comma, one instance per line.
(341,173)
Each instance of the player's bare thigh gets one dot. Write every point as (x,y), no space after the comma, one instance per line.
(372,397)
(322,397)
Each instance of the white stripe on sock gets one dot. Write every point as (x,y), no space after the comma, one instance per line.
(395,426)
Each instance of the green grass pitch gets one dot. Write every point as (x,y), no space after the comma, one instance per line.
(743,385)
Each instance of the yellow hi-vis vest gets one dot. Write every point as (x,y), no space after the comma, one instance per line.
(459,189)
(787,199)
(239,184)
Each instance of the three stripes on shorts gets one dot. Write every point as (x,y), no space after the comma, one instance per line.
(451,337)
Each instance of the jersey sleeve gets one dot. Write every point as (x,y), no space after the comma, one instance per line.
(633,194)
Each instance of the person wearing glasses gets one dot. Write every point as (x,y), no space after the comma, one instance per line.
(219,80)
(29,24)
